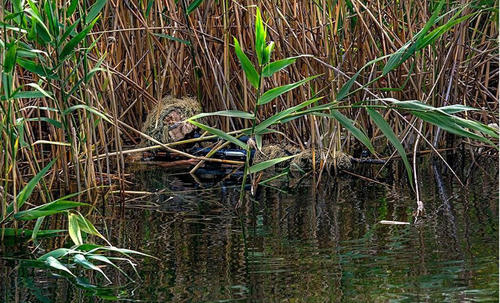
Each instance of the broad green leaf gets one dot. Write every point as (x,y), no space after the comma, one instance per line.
(32,94)
(54,263)
(276,66)
(9,60)
(88,227)
(225,113)
(56,253)
(35,68)
(87,108)
(55,123)
(266,164)
(49,14)
(395,59)
(192,6)
(47,209)
(38,22)
(448,124)
(70,30)
(356,132)
(261,127)
(41,90)
(271,94)
(219,133)
(72,7)
(391,136)
(95,9)
(36,229)
(25,193)
(260,37)
(456,108)
(478,126)
(258,141)
(106,260)
(70,47)
(81,260)
(247,66)
(74,229)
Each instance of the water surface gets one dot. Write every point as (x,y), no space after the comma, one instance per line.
(307,245)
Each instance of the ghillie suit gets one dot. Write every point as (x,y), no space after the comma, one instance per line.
(165,122)
(303,160)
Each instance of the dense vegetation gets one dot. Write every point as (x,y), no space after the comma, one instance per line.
(79,77)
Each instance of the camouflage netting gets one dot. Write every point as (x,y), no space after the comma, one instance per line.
(164,122)
(303,160)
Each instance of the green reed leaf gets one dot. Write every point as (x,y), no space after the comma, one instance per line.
(349,125)
(247,65)
(72,44)
(267,53)
(54,263)
(47,209)
(225,113)
(74,230)
(266,164)
(19,232)
(273,93)
(193,6)
(25,193)
(391,136)
(9,60)
(262,127)
(260,37)
(273,67)
(95,9)
(219,133)
(81,260)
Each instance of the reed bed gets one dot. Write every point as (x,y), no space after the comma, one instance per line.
(145,50)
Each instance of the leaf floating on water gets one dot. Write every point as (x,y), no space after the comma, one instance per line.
(387,222)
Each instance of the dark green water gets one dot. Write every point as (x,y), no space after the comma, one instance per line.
(323,245)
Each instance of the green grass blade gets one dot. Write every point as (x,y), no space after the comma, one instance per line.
(94,11)
(70,47)
(266,164)
(47,209)
(261,127)
(271,94)
(193,6)
(276,66)
(219,134)
(260,37)
(356,132)
(247,65)
(391,136)
(225,113)
(25,193)
(81,260)
(54,263)
(19,232)
(74,230)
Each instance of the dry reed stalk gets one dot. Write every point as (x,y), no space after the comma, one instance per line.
(341,35)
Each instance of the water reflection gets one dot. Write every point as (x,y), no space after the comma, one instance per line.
(309,245)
